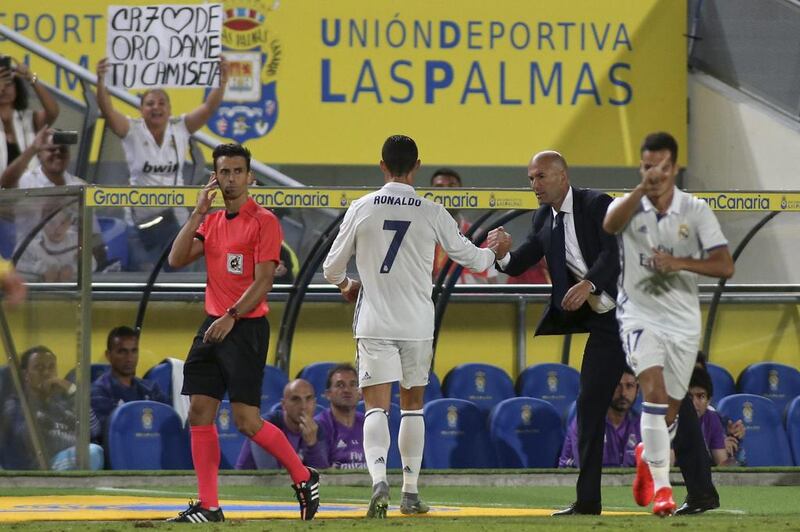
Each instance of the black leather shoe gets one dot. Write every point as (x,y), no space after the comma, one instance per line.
(697,506)
(580,508)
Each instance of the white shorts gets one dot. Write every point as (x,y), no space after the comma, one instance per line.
(647,348)
(382,361)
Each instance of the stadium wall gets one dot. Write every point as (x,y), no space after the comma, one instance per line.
(737,142)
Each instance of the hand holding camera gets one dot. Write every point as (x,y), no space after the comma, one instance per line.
(6,72)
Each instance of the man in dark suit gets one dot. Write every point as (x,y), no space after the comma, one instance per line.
(584,265)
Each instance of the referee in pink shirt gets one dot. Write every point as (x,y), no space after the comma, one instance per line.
(242,246)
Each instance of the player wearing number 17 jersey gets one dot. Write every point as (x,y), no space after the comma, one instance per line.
(666,237)
(393,233)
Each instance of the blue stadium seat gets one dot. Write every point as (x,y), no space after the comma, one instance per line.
(317,375)
(95,372)
(8,238)
(483,384)
(147,435)
(230,439)
(722,381)
(456,436)
(432,391)
(115,237)
(793,428)
(272,386)
(526,432)
(161,374)
(778,382)
(558,384)
(765,443)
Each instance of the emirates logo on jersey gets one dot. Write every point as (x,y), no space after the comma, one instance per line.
(235,263)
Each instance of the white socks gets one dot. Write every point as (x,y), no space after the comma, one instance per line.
(376,443)
(656,441)
(411,442)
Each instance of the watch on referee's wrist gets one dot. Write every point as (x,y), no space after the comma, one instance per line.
(233,312)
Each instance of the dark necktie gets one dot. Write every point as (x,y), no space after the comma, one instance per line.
(557,260)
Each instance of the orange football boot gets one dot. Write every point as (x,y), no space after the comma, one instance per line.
(643,483)
(663,505)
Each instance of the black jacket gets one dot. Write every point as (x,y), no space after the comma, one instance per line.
(599,250)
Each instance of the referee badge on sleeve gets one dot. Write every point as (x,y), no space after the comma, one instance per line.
(235,263)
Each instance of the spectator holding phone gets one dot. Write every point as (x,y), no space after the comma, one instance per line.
(155,148)
(20,123)
(51,172)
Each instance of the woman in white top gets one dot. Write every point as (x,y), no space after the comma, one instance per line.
(155,148)
(20,124)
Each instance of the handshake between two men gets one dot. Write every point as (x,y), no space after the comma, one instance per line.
(500,241)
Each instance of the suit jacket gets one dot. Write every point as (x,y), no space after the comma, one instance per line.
(599,250)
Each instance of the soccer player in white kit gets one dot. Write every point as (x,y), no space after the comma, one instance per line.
(393,233)
(667,238)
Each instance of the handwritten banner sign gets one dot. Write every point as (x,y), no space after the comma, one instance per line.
(164,45)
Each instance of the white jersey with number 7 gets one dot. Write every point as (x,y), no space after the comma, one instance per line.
(393,233)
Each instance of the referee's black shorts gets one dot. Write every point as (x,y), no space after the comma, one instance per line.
(236,364)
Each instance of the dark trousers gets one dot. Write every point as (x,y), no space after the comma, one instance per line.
(691,454)
(601,371)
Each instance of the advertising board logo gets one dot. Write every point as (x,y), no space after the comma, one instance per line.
(250,106)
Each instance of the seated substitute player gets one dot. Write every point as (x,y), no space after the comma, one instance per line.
(721,446)
(393,233)
(342,424)
(667,238)
(622,429)
(295,418)
(241,244)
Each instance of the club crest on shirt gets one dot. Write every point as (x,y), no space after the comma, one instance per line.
(235,263)
(683,231)
(254,51)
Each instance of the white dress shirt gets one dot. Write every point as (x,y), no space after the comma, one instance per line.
(600,303)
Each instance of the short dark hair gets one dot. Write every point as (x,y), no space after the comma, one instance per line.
(25,357)
(702,379)
(400,154)
(627,369)
(231,150)
(661,141)
(336,368)
(123,331)
(448,172)
(21,99)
